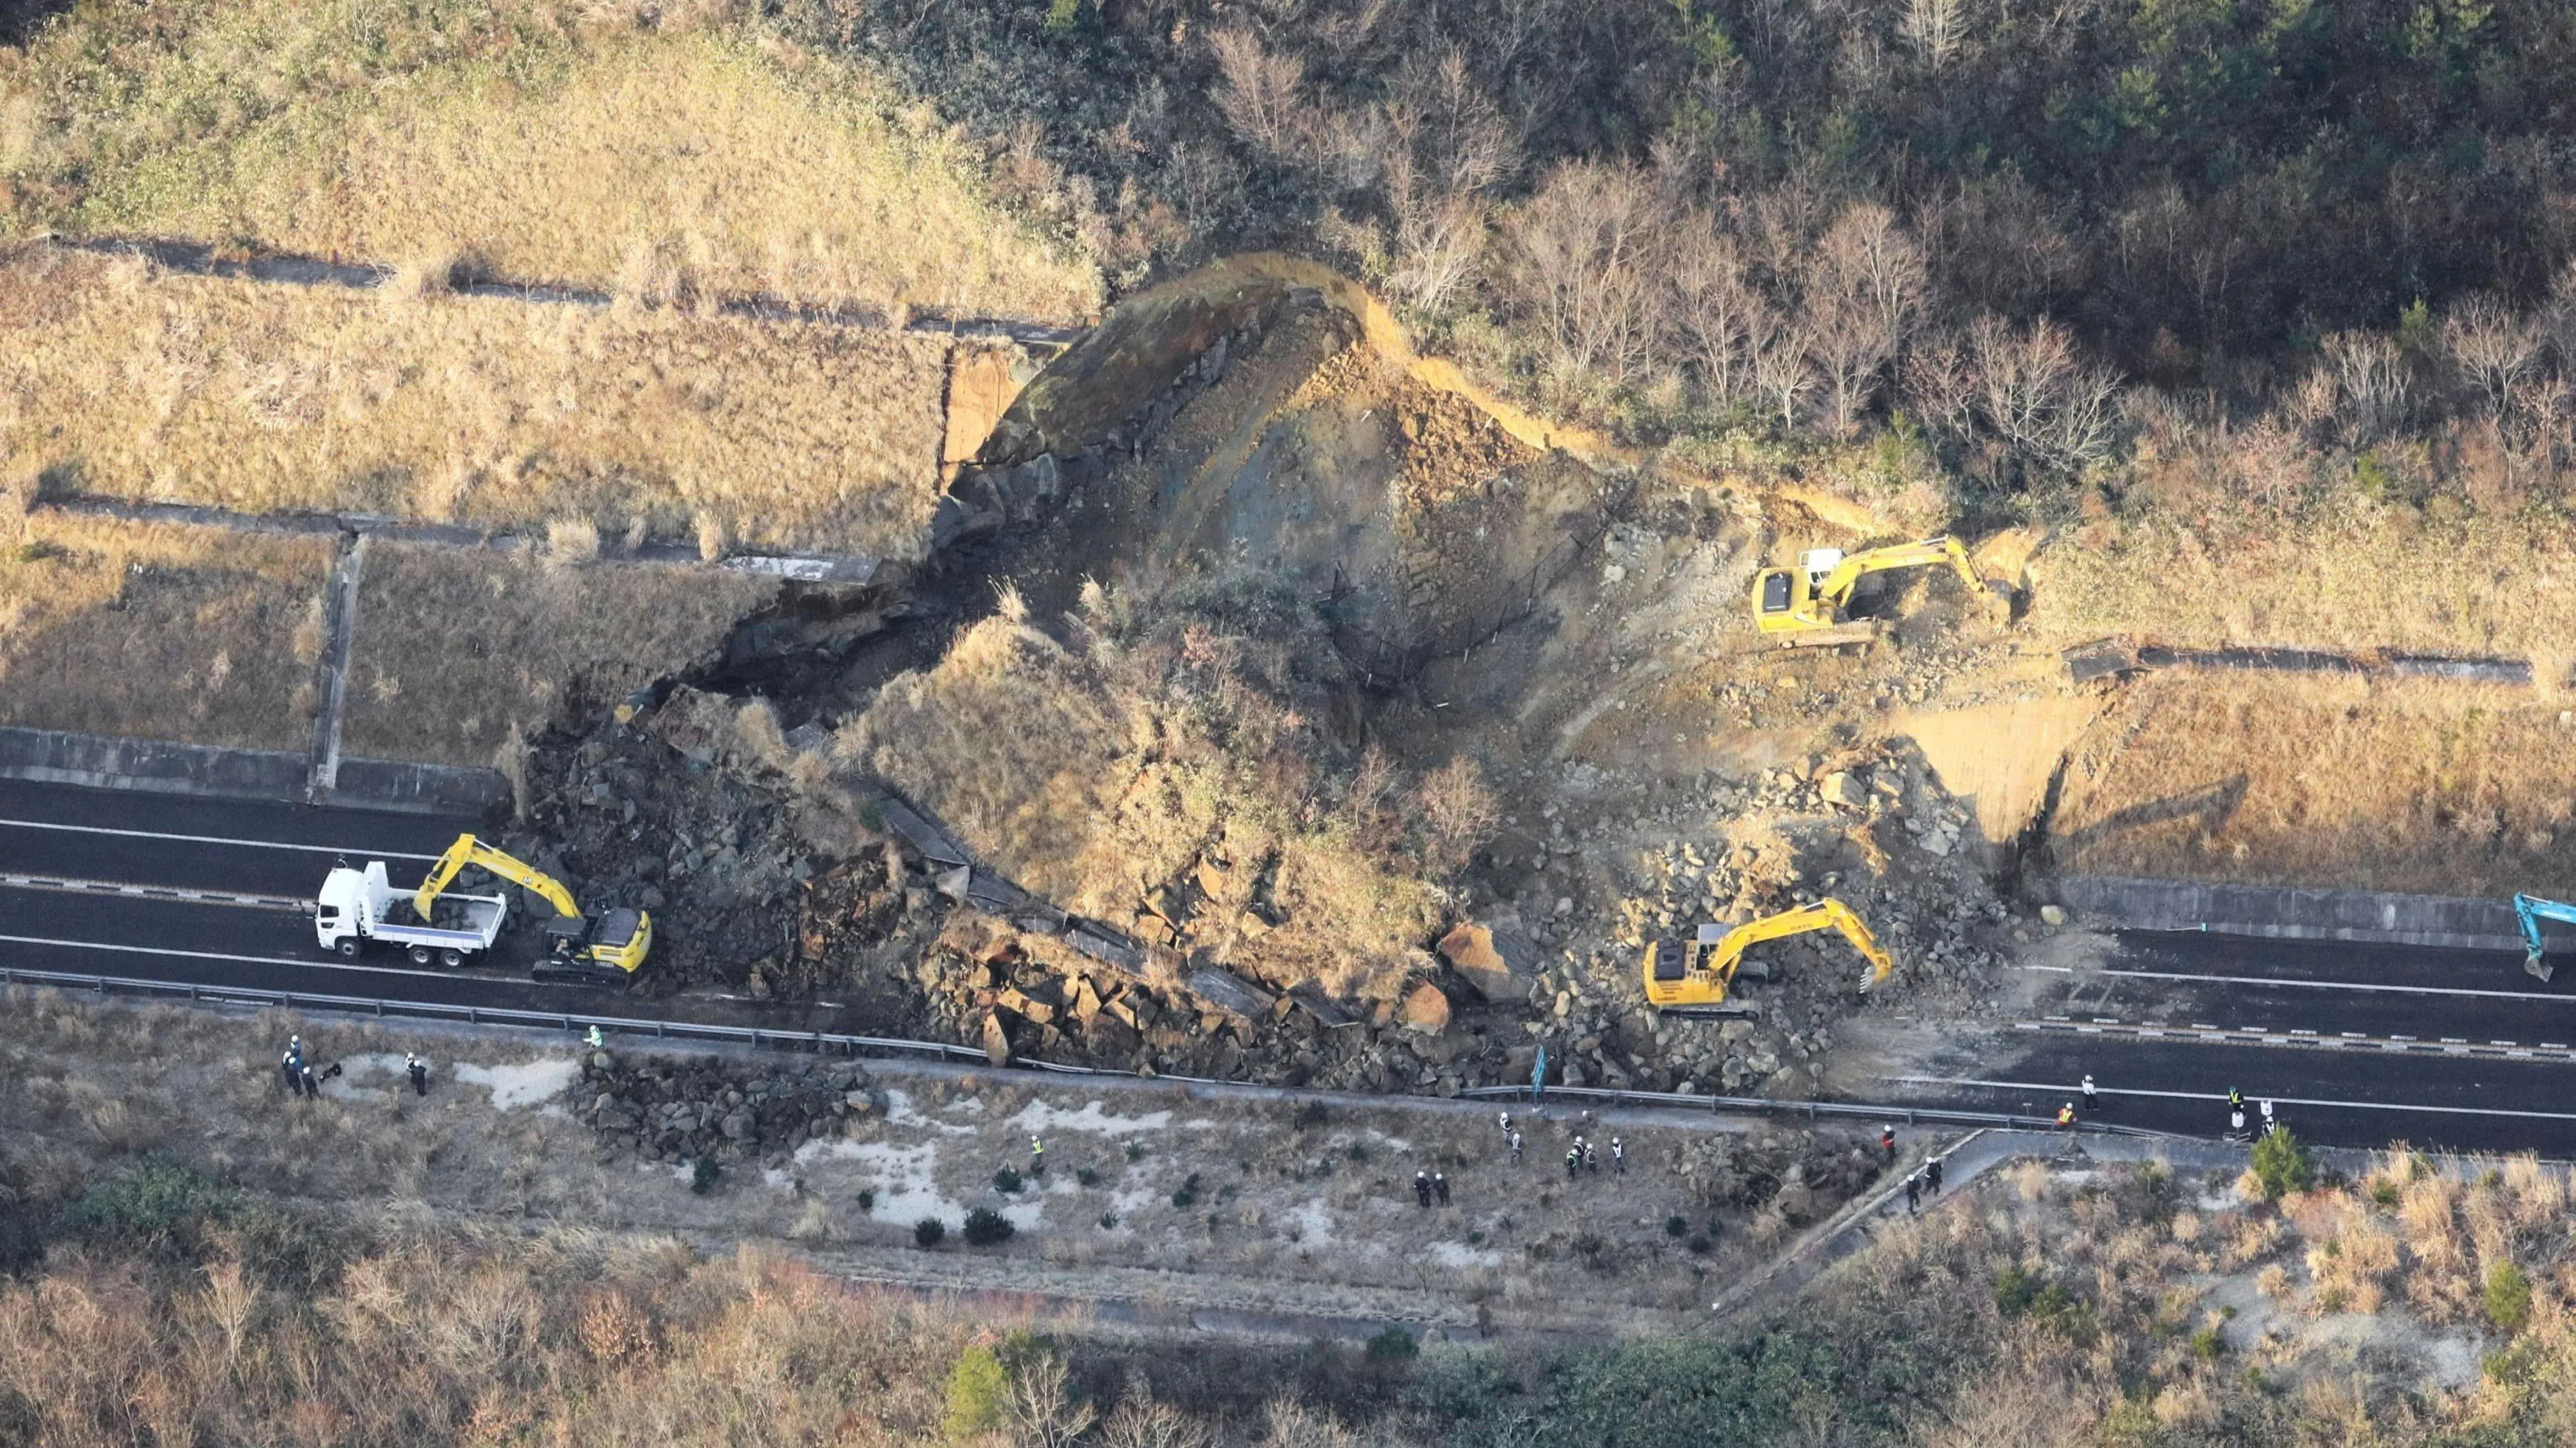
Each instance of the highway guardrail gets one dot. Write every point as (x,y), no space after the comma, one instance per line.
(834,1042)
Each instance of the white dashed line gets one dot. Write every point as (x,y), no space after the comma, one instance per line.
(2356,985)
(69,885)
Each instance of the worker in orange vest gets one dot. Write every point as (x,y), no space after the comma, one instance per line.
(2066,1117)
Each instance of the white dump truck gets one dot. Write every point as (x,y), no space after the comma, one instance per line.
(357,906)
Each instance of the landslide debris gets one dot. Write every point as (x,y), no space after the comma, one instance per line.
(1278,712)
(679,1109)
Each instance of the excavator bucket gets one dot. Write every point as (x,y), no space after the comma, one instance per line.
(2537,967)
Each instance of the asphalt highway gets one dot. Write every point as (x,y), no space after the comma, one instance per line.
(217,892)
(2358,1044)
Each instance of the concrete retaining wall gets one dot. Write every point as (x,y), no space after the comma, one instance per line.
(2287,913)
(197,769)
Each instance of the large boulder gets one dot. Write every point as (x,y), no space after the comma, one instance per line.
(1494,956)
(1424,1009)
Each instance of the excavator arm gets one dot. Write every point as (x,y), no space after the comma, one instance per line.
(470,851)
(1697,974)
(1836,588)
(2531,910)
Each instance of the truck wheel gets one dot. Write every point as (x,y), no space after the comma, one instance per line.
(347,945)
(420,955)
(451,957)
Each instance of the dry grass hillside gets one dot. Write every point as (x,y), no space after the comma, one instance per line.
(165,632)
(2355,576)
(132,382)
(2428,786)
(459,654)
(662,150)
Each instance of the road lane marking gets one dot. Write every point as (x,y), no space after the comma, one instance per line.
(353,853)
(2049,1088)
(2265,980)
(2304,1040)
(70,885)
(245,959)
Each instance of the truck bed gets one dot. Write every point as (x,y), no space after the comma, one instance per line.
(482,915)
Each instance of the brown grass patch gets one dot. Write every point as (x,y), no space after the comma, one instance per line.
(557,140)
(141,384)
(192,634)
(2395,785)
(2350,576)
(458,654)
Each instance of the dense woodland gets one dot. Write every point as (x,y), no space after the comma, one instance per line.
(2326,243)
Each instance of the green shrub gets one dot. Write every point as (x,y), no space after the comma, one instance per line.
(1395,1342)
(977,1395)
(1135,1151)
(929,1232)
(2207,1344)
(153,1202)
(2384,1192)
(704,1175)
(2283,1165)
(1676,1226)
(1187,1195)
(1006,1181)
(1086,1176)
(987,1228)
(867,1199)
(2508,1297)
(1109,1221)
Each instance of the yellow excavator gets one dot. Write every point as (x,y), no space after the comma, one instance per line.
(1690,978)
(1807,606)
(606,948)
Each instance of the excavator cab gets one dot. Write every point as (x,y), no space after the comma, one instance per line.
(605,949)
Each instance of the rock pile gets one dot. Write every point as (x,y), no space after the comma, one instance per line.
(681,1109)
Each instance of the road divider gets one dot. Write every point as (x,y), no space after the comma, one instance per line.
(2296,1039)
(154,892)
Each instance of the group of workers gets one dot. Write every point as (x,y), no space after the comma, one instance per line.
(2236,1127)
(305,1083)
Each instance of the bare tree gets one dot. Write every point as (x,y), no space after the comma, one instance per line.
(1043,1406)
(1848,349)
(1583,243)
(2494,349)
(1144,1423)
(1259,97)
(2371,376)
(1867,256)
(1717,313)
(1863,287)
(1933,28)
(1944,395)
(1781,369)
(2037,396)
(1438,247)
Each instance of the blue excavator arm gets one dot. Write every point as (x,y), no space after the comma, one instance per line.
(2531,910)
